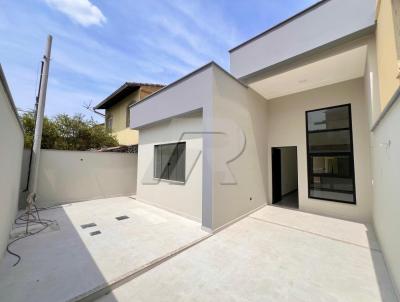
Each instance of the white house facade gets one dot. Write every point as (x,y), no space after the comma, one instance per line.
(291,124)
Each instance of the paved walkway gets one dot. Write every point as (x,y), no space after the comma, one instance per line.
(62,264)
(274,254)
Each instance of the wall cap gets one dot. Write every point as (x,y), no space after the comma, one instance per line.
(395,98)
(10,98)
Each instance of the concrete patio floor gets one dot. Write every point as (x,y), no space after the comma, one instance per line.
(275,254)
(62,264)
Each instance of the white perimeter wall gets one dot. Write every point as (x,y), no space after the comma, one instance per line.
(287,127)
(240,114)
(68,176)
(385,168)
(12,144)
(386,176)
(181,198)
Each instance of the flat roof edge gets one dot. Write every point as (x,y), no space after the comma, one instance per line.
(394,99)
(356,36)
(10,98)
(187,76)
(284,22)
(176,82)
(150,124)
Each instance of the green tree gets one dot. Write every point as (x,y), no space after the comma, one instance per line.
(66,132)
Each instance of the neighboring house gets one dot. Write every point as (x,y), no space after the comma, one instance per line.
(315,97)
(117,113)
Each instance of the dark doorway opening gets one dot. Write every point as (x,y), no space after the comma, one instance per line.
(285,177)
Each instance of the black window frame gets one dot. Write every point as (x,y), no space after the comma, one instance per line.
(350,153)
(165,174)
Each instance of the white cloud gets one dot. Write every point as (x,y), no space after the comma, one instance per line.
(80,11)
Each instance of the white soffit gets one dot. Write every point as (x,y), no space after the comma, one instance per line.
(333,69)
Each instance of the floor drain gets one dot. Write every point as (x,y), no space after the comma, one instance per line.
(88,225)
(95,233)
(121,217)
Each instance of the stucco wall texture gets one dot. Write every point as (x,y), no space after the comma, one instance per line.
(283,133)
(386,174)
(182,198)
(69,176)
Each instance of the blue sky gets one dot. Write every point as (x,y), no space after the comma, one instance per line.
(100,44)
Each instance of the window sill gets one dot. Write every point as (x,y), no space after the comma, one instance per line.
(176,182)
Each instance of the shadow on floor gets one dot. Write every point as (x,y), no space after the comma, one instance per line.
(55,265)
(62,264)
(386,284)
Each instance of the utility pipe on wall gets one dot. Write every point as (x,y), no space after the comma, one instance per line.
(37,140)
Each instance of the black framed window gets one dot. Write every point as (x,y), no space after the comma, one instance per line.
(169,161)
(330,156)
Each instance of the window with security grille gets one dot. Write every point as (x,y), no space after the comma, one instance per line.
(169,161)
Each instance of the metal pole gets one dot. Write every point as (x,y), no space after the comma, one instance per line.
(37,140)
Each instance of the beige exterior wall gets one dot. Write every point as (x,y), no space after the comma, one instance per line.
(181,198)
(12,144)
(239,162)
(388,48)
(124,134)
(287,127)
(127,136)
(69,176)
(118,112)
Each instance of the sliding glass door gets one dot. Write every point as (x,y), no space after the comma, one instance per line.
(330,154)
